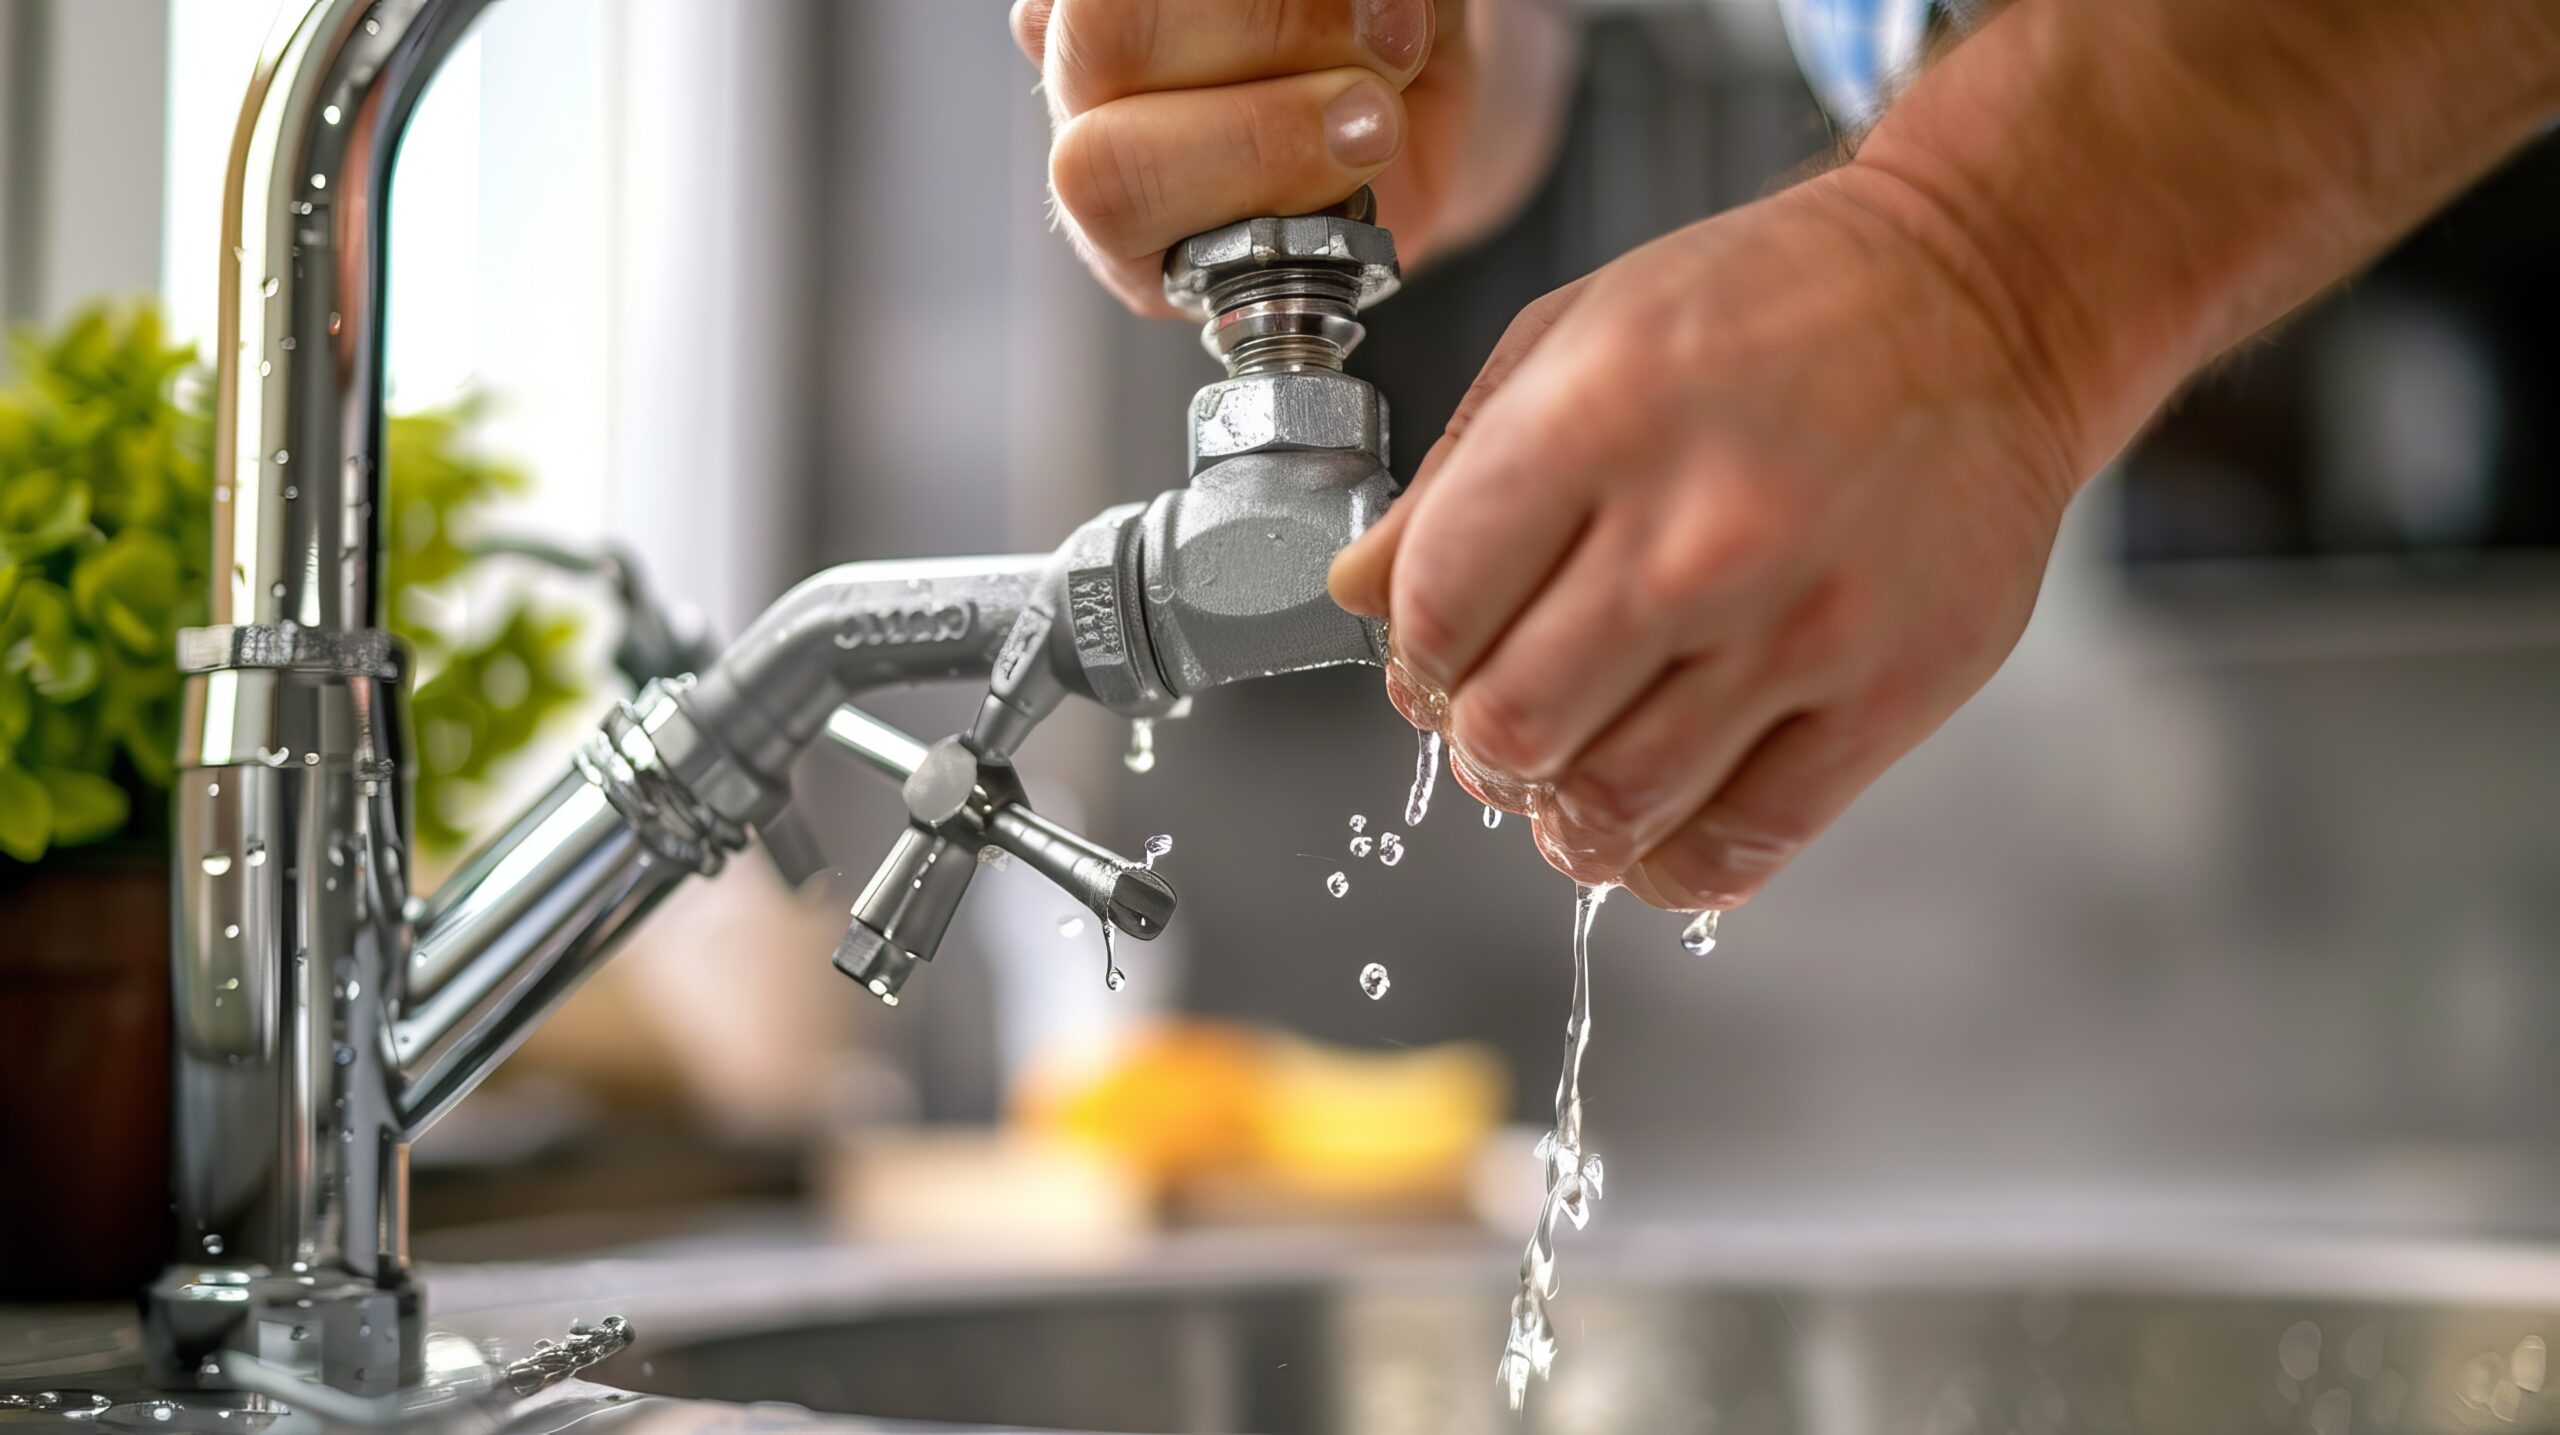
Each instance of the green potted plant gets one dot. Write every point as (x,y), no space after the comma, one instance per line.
(105,537)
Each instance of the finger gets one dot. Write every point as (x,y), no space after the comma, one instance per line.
(1361,572)
(1784,793)
(1672,749)
(1097,51)
(1030,25)
(1577,656)
(1139,174)
(1500,516)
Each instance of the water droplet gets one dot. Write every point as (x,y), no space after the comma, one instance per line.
(1337,884)
(1158,846)
(257,854)
(321,181)
(291,493)
(285,343)
(216,863)
(1141,754)
(269,288)
(343,1054)
(1359,823)
(1112,977)
(213,789)
(1362,846)
(232,931)
(213,1245)
(283,456)
(1699,937)
(1492,818)
(1115,979)
(1426,772)
(1071,926)
(1390,849)
(240,253)
(331,114)
(1374,981)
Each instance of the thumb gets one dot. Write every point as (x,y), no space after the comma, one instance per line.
(1361,572)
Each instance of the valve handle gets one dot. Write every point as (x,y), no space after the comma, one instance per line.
(958,803)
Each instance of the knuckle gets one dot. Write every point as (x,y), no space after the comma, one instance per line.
(1823,634)
(1101,49)
(1421,625)
(1105,178)
(1030,24)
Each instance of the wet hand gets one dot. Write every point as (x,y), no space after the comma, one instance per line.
(1175,116)
(1723,530)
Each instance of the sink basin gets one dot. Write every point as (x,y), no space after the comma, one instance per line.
(1671,1334)
(1816,1330)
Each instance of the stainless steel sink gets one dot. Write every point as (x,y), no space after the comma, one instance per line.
(1672,1334)
(1822,1329)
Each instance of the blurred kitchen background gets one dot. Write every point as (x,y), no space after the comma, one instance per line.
(2238,891)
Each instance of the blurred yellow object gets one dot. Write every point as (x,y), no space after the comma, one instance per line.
(1339,1124)
(1225,1120)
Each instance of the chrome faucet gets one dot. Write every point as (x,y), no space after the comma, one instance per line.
(325,1015)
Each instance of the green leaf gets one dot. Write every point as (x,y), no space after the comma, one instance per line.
(129,586)
(39,639)
(17,711)
(86,807)
(41,511)
(26,813)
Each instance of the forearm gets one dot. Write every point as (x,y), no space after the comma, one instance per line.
(2132,188)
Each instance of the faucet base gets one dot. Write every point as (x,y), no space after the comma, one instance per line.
(341,1331)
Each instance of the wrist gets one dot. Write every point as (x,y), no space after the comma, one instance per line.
(2134,188)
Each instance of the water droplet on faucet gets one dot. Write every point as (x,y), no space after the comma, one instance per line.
(1158,846)
(216,863)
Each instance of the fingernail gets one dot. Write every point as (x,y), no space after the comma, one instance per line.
(1359,125)
(1397,32)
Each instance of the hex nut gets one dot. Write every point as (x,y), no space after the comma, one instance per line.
(1199,264)
(1287,413)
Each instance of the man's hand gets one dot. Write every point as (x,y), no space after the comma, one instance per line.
(1175,116)
(1721,532)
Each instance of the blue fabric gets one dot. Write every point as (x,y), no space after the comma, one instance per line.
(1853,52)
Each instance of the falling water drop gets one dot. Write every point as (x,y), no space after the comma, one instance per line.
(1492,818)
(1374,981)
(1390,849)
(213,1245)
(1337,884)
(1359,823)
(1071,926)
(1699,937)
(1362,846)
(1426,771)
(1141,756)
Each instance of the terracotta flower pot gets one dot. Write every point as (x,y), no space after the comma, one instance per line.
(84,1073)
